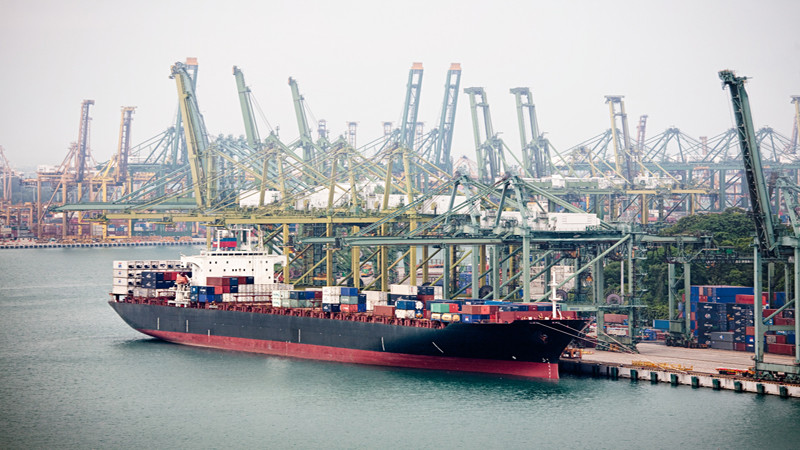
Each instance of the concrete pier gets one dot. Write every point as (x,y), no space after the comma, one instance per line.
(679,366)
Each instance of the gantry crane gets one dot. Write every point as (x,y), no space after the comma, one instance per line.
(124,147)
(408,125)
(200,162)
(489,149)
(536,151)
(245,101)
(769,244)
(6,173)
(623,151)
(82,152)
(444,136)
(306,141)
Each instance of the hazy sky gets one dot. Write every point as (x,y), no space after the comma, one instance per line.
(351,60)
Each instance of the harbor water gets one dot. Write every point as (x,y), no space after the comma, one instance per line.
(74,375)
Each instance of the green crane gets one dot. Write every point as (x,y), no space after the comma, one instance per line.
(201,164)
(408,127)
(250,129)
(536,152)
(489,151)
(444,137)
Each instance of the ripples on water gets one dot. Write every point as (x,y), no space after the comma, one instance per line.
(75,376)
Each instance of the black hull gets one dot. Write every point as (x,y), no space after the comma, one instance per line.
(527,348)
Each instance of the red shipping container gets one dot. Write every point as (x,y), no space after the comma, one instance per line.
(750,331)
(348,308)
(768,312)
(383,311)
(506,316)
(218,290)
(702,298)
(453,307)
(739,346)
(488,309)
(214,281)
(242,280)
(471,309)
(781,349)
(425,298)
(780,339)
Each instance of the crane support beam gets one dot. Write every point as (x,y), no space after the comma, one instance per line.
(751,156)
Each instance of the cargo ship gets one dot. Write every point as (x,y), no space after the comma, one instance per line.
(225,298)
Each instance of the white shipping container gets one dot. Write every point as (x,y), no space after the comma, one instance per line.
(404,314)
(376,295)
(331,299)
(123,265)
(123,273)
(117,281)
(330,290)
(122,290)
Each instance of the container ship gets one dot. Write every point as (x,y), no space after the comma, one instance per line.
(228,299)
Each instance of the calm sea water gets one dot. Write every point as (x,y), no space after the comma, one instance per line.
(73,375)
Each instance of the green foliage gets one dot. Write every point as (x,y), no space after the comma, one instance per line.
(731,228)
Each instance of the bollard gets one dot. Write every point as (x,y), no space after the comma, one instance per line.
(760,389)
(737,386)
(634,375)
(653,377)
(614,373)
(673,379)
(784,391)
(695,382)
(715,383)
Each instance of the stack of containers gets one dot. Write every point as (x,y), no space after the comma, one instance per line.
(725,319)
(781,342)
(280,298)
(376,298)
(351,301)
(408,309)
(445,311)
(126,278)
(331,298)
(741,323)
(204,294)
(711,318)
(301,299)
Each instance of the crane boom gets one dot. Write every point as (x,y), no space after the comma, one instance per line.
(751,156)
(123,150)
(413,90)
(536,151)
(82,153)
(195,135)
(250,129)
(489,152)
(444,138)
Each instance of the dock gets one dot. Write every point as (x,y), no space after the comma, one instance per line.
(697,368)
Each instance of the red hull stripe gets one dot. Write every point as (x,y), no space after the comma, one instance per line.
(322,353)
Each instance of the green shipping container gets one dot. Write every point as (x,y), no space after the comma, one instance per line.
(440,308)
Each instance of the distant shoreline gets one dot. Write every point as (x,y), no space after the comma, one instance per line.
(35,245)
